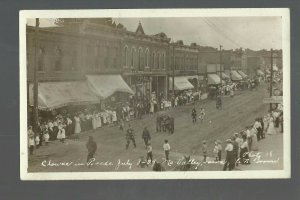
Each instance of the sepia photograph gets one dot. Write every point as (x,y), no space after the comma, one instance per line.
(155,94)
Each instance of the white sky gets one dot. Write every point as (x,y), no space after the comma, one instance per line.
(230,32)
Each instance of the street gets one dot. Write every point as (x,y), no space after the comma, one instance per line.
(237,112)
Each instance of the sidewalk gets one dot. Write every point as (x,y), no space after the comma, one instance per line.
(269,155)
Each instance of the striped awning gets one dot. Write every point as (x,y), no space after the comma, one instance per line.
(235,76)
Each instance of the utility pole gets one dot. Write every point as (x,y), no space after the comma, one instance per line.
(173,73)
(221,64)
(35,79)
(271,78)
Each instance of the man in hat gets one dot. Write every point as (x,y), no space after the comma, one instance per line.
(130,137)
(229,160)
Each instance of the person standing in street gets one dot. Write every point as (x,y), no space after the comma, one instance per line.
(149,153)
(91,147)
(194,115)
(204,150)
(229,161)
(167,149)
(130,137)
(146,136)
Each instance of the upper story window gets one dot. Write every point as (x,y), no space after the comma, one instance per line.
(140,59)
(163,61)
(153,60)
(126,53)
(147,55)
(158,60)
(58,59)
(132,56)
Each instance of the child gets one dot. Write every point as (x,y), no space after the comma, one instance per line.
(204,150)
(216,151)
(142,162)
(46,137)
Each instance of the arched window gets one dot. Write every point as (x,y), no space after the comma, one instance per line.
(132,56)
(147,54)
(140,64)
(163,61)
(125,62)
(158,60)
(58,59)
(153,60)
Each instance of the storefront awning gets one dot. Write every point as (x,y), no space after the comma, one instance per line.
(106,85)
(180,83)
(235,76)
(259,72)
(213,79)
(225,76)
(52,95)
(242,74)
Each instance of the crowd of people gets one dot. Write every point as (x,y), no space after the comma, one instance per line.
(237,148)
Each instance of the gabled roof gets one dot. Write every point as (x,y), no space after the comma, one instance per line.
(140,29)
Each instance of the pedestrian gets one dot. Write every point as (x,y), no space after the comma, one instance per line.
(46,136)
(216,151)
(37,141)
(61,135)
(244,153)
(229,160)
(130,137)
(167,149)
(219,150)
(202,114)
(258,128)
(194,115)
(235,151)
(149,153)
(91,147)
(146,136)
(204,150)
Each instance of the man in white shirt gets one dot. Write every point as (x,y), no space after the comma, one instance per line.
(167,148)
(229,161)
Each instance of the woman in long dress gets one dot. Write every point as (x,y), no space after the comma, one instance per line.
(254,139)
(77,125)
(271,128)
(244,152)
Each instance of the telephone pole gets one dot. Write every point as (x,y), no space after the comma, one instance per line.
(173,73)
(221,65)
(271,78)
(35,79)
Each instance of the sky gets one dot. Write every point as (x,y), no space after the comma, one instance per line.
(231,32)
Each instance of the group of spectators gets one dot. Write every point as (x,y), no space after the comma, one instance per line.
(240,144)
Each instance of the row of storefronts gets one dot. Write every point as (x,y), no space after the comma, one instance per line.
(98,88)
